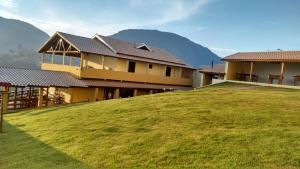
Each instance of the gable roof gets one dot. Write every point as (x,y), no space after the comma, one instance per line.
(128,48)
(269,56)
(108,46)
(82,44)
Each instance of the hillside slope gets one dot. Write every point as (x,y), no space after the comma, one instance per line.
(190,52)
(16,35)
(224,126)
(19,43)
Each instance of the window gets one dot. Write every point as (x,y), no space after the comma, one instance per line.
(168,71)
(131,67)
(150,66)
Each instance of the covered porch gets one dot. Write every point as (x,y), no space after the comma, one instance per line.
(283,73)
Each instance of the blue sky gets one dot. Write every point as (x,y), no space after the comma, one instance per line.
(224,26)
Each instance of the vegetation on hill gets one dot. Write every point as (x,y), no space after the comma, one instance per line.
(223,126)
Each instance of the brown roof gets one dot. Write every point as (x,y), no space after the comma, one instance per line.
(82,44)
(217,69)
(43,78)
(119,84)
(128,48)
(115,48)
(270,56)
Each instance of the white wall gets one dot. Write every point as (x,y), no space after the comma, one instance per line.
(263,69)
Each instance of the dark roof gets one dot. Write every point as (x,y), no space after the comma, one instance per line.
(108,46)
(270,56)
(217,69)
(82,44)
(128,48)
(43,78)
(119,84)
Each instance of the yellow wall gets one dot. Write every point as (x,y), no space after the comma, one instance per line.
(134,77)
(75,95)
(105,67)
(159,70)
(75,71)
(93,61)
(236,67)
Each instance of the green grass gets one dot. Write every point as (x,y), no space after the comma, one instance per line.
(223,126)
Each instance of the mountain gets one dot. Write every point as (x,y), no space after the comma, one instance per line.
(188,51)
(19,42)
(17,35)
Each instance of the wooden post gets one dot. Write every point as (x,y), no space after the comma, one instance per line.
(71,60)
(47,96)
(40,98)
(96,94)
(117,93)
(29,97)
(135,92)
(63,58)
(251,71)
(81,60)
(52,59)
(15,97)
(4,106)
(281,73)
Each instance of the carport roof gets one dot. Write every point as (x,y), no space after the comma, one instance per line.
(40,78)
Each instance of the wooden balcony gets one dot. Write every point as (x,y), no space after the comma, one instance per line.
(133,77)
(117,75)
(74,70)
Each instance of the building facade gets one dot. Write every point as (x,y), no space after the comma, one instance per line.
(112,68)
(274,67)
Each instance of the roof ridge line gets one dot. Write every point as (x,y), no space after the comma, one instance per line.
(104,42)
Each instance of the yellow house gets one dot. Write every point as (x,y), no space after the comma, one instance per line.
(112,68)
(281,67)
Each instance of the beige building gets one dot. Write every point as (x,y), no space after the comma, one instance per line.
(112,68)
(280,67)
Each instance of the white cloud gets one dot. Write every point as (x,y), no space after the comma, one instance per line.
(227,50)
(8,3)
(140,14)
(222,52)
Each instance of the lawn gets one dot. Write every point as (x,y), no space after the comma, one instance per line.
(223,126)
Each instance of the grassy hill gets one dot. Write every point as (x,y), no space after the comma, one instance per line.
(224,126)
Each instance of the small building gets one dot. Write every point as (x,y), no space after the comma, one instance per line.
(279,67)
(212,75)
(81,69)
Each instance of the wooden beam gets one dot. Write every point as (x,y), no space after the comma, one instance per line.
(81,60)
(63,58)
(15,97)
(40,97)
(96,94)
(135,92)
(116,93)
(281,73)
(52,59)
(4,106)
(251,71)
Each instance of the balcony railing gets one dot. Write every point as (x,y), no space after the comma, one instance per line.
(117,75)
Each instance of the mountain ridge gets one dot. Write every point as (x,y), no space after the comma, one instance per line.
(182,47)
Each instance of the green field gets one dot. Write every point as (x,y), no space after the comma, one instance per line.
(223,126)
